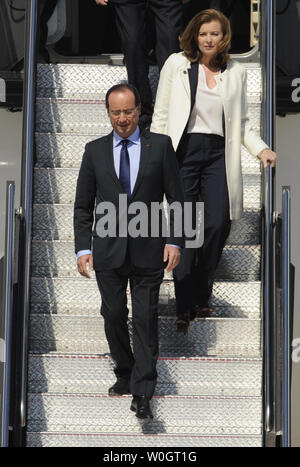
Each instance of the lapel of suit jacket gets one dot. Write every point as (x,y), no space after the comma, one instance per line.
(109,160)
(145,154)
(193,78)
(183,72)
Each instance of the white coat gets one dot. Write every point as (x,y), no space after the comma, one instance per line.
(172,111)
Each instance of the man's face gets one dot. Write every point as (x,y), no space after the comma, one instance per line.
(123,113)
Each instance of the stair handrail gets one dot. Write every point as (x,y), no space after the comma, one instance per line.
(7,312)
(31,35)
(286,316)
(267,47)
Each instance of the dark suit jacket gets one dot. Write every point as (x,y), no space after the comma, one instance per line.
(97,182)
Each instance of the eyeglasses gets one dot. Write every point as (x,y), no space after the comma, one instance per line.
(127,112)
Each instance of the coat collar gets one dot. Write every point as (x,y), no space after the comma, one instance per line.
(144,157)
(189,76)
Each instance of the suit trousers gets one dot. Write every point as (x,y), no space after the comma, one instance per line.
(130,18)
(203,177)
(139,365)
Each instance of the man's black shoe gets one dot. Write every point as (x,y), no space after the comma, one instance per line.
(120,387)
(134,403)
(141,406)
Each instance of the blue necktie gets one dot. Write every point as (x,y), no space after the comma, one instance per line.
(124,175)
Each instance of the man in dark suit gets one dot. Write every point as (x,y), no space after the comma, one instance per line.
(130,16)
(142,167)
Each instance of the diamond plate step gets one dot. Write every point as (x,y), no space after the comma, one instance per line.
(219,359)
(85,81)
(58,186)
(123,440)
(207,337)
(69,296)
(92,81)
(93,374)
(172,415)
(55,222)
(65,151)
(58,259)
(90,117)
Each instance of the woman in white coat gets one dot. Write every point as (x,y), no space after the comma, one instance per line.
(201,103)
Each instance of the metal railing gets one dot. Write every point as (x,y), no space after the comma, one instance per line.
(27,176)
(267,46)
(286,317)
(6,319)
(23,233)
(276,285)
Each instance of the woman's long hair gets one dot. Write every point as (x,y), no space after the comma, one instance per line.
(189,38)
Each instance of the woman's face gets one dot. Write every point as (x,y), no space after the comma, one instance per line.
(209,36)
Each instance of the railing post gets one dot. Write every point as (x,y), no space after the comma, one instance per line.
(286,311)
(26,188)
(6,347)
(267,45)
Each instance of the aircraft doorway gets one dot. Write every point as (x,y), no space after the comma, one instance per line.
(91,32)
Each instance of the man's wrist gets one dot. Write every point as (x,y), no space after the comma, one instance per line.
(83,252)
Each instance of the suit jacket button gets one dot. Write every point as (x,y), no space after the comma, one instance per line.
(185,72)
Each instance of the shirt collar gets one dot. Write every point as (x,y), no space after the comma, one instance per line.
(134,138)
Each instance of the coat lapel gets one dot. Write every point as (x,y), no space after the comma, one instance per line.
(193,79)
(184,75)
(145,153)
(109,160)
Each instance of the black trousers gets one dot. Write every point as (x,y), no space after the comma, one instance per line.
(46,10)
(203,175)
(131,25)
(138,365)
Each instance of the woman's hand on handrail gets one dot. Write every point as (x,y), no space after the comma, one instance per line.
(267,155)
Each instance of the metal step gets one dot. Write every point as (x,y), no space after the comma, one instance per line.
(210,381)
(84,374)
(57,258)
(70,295)
(64,150)
(82,439)
(83,81)
(172,415)
(92,81)
(55,222)
(58,186)
(208,337)
(90,117)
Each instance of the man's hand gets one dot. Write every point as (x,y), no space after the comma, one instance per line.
(102,2)
(81,265)
(172,255)
(267,156)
